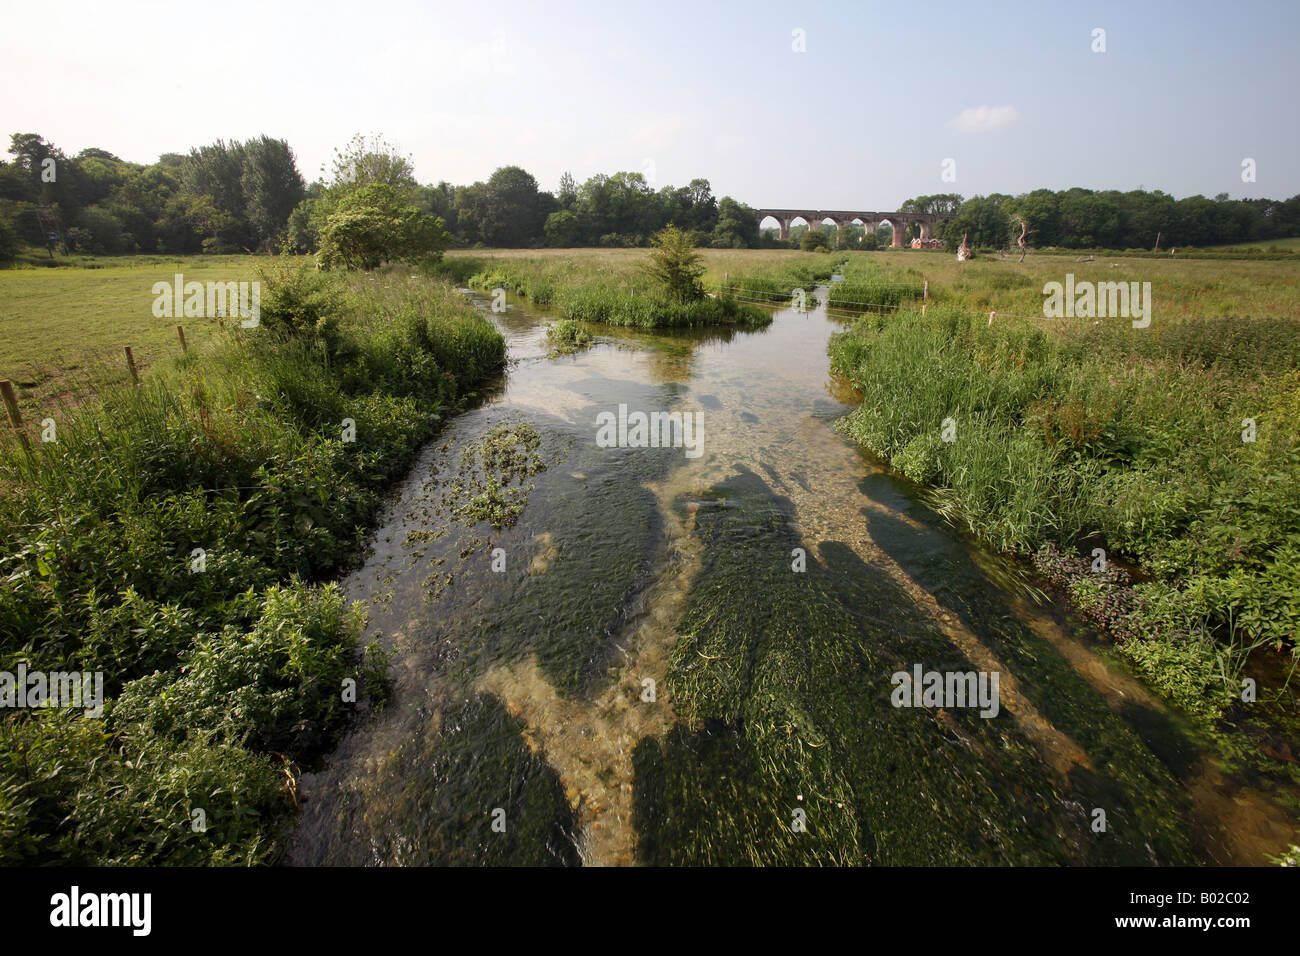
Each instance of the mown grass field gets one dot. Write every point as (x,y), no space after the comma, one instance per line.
(64,328)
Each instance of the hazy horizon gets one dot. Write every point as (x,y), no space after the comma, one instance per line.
(863,118)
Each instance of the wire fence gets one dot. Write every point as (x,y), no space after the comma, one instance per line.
(879,307)
(74,375)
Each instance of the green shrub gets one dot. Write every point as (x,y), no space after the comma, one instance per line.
(567,335)
(296,296)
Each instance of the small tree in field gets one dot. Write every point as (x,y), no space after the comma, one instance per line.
(676,265)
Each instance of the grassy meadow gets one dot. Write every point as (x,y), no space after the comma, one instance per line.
(64,328)
(611,287)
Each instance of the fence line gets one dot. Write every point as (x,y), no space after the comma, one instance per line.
(137,359)
(884,306)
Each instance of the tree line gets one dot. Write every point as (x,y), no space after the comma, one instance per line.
(229,196)
(1109,219)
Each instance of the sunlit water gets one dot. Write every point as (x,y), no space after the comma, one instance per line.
(547,661)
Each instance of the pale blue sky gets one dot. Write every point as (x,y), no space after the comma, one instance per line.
(862,119)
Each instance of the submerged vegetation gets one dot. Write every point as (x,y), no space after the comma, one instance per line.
(789,751)
(174,538)
(567,336)
(490,483)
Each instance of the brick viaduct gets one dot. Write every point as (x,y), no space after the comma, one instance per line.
(871,220)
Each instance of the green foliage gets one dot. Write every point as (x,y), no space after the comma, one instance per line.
(296,296)
(489,485)
(813,240)
(737,226)
(1108,435)
(562,229)
(983,220)
(567,335)
(9,244)
(371,161)
(631,298)
(676,265)
(601,303)
(303,234)
(271,185)
(216,678)
(103,232)
(507,210)
(873,287)
(253,189)
(370,225)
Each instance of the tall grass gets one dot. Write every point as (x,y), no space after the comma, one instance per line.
(874,286)
(775,283)
(584,291)
(225,673)
(1107,436)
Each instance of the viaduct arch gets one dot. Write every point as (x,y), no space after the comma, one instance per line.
(844,217)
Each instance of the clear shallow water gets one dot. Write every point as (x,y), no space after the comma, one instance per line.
(524,690)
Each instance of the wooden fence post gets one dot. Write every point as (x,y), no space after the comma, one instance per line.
(180,333)
(15,416)
(130,364)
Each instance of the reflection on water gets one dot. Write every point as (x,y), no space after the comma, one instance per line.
(522,694)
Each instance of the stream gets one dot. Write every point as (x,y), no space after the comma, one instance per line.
(675,659)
